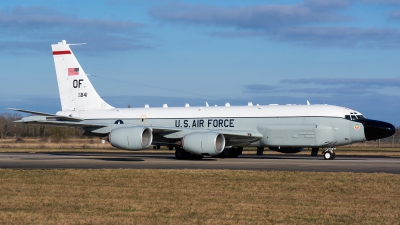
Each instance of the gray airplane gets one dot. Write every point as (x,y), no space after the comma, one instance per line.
(198,131)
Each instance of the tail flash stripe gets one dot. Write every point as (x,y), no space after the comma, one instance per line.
(61,52)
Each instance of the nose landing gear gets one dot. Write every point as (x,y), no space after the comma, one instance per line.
(329,153)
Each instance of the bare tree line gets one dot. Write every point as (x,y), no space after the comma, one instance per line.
(8,129)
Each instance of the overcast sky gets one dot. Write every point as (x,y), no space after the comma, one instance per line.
(339,52)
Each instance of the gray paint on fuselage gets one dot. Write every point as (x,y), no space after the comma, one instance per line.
(328,131)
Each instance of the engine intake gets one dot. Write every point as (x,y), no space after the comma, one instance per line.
(204,143)
(131,138)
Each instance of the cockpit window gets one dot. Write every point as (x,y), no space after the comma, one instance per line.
(354,117)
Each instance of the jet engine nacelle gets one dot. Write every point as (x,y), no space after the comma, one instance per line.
(131,138)
(286,149)
(200,143)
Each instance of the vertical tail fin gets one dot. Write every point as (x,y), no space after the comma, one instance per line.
(76,91)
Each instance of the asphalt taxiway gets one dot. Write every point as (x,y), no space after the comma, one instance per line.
(81,160)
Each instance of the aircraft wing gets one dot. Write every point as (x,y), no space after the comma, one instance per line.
(238,136)
(232,137)
(165,130)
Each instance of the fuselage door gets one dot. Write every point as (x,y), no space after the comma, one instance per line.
(142,120)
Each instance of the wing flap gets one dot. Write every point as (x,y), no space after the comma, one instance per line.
(241,137)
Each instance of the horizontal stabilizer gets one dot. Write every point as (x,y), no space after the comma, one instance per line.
(32,112)
(49,115)
(45,120)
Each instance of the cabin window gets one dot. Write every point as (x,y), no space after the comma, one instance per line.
(347,117)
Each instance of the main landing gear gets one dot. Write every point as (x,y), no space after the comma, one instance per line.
(314,151)
(329,153)
(182,154)
(230,153)
(260,151)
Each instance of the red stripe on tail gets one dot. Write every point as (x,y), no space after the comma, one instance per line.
(62,52)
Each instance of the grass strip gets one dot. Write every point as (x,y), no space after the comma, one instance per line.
(129,196)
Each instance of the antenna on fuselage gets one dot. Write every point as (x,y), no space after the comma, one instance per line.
(308,103)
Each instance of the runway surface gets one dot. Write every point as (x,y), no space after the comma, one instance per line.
(76,160)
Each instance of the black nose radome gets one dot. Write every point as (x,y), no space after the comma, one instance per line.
(374,129)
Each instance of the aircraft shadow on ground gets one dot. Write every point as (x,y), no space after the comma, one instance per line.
(306,158)
(134,157)
(125,157)
(120,159)
(93,156)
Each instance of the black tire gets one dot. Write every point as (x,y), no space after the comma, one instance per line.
(329,155)
(193,156)
(260,151)
(240,150)
(224,154)
(233,153)
(180,154)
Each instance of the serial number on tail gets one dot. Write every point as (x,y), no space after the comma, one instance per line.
(205,123)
